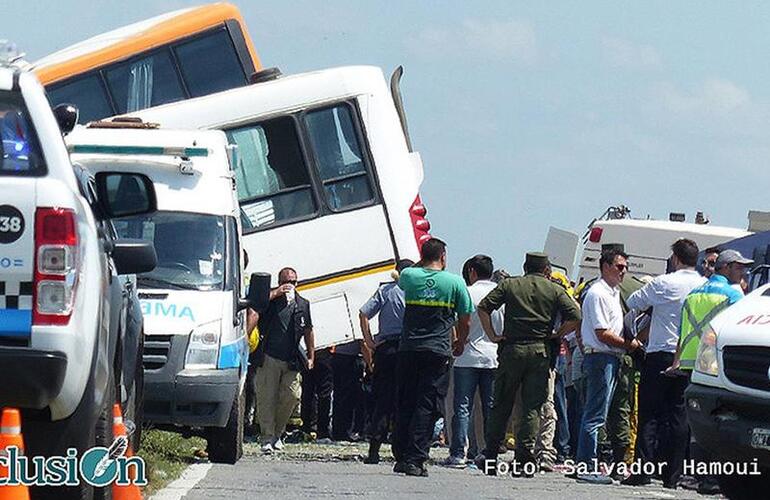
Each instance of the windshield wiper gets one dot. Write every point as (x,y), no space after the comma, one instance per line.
(161,283)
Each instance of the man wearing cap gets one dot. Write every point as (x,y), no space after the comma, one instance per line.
(700,307)
(387,304)
(532,304)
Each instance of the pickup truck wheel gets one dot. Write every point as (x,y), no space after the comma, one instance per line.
(104,435)
(225,444)
(135,405)
(744,487)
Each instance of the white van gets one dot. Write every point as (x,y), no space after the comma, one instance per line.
(195,348)
(647,243)
(728,399)
(327,181)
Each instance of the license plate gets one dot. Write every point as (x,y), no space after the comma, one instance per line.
(760,438)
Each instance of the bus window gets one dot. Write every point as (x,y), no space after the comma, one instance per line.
(149,81)
(210,64)
(338,157)
(271,177)
(87,94)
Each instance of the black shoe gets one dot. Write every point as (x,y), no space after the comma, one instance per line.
(374,453)
(636,480)
(708,486)
(415,470)
(399,467)
(480,463)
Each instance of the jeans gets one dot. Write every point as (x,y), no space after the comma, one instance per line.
(663,433)
(466,381)
(562,418)
(423,380)
(600,374)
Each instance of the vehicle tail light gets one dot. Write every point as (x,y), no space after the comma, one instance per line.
(596,235)
(56,245)
(420,224)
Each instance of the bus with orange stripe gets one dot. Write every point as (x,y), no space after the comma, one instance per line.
(175,56)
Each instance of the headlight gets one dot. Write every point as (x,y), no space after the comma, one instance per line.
(707,360)
(203,348)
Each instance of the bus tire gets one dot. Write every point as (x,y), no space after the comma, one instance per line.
(225,444)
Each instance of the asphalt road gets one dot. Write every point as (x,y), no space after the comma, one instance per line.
(333,471)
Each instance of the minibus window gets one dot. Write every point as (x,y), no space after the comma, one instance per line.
(87,94)
(210,64)
(338,157)
(143,83)
(20,148)
(271,176)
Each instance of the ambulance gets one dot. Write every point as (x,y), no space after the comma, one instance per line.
(195,347)
(728,399)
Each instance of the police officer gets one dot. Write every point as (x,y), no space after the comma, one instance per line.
(532,303)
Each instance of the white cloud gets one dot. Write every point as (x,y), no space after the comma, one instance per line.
(624,54)
(711,97)
(512,40)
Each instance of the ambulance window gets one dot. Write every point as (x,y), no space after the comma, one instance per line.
(88,94)
(143,83)
(272,179)
(338,157)
(210,64)
(21,154)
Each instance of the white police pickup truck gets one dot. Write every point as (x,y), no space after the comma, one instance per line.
(62,304)
(728,399)
(195,348)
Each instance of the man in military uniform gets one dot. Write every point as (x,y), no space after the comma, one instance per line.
(532,303)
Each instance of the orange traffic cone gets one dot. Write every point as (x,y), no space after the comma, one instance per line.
(129,491)
(10,435)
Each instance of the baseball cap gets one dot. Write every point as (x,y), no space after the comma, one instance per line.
(729,256)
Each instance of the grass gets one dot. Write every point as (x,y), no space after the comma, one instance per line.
(167,454)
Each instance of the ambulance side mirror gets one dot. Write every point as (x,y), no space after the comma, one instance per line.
(258,296)
(123,194)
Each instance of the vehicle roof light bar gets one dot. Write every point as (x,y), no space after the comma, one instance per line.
(137,150)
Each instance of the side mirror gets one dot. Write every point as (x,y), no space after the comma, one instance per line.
(258,296)
(66,116)
(125,194)
(134,256)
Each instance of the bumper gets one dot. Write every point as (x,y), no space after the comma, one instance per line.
(724,422)
(30,379)
(194,398)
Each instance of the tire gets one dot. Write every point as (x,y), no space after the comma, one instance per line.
(744,487)
(103,433)
(134,410)
(225,444)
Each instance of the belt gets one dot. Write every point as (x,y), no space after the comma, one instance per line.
(593,350)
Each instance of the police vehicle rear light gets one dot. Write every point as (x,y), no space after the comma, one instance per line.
(53,297)
(595,236)
(56,242)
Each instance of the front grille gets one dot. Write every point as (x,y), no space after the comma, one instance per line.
(156,349)
(747,366)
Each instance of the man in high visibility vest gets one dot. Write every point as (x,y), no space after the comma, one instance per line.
(705,302)
(701,306)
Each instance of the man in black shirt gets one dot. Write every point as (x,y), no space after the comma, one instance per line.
(279,359)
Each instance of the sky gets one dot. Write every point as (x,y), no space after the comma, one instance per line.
(526,114)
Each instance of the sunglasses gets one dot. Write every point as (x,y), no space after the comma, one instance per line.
(621,267)
(292,282)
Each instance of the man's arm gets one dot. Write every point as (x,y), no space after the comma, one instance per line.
(611,338)
(310,345)
(461,328)
(647,296)
(486,324)
(252,318)
(567,326)
(363,320)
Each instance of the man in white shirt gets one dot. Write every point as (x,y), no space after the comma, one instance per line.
(475,368)
(663,435)
(603,344)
